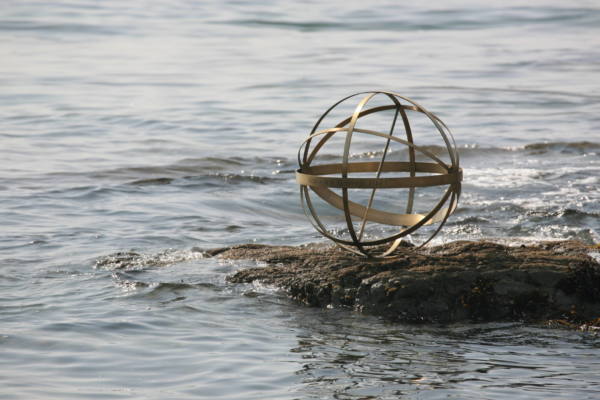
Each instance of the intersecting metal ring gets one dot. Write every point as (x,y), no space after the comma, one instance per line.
(319,179)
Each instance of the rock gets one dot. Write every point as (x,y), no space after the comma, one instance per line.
(459,281)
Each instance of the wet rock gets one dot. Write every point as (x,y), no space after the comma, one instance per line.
(459,281)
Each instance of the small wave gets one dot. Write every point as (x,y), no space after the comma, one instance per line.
(216,179)
(473,150)
(470,220)
(49,28)
(215,161)
(131,260)
(237,178)
(204,166)
(95,326)
(569,214)
(157,287)
(186,172)
(406,25)
(174,286)
(440,151)
(563,147)
(429,20)
(171,170)
(152,181)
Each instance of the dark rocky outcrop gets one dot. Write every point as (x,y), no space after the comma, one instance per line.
(459,281)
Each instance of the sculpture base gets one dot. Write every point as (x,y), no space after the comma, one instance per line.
(460,281)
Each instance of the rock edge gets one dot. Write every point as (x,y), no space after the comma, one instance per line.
(460,281)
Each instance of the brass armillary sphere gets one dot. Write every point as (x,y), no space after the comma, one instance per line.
(322,178)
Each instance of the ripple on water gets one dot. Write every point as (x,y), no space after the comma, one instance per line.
(470,362)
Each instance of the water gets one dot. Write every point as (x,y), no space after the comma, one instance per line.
(164,128)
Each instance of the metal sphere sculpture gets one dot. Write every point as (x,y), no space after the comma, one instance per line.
(320,179)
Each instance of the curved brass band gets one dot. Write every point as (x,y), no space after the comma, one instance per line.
(374,215)
(310,176)
(372,166)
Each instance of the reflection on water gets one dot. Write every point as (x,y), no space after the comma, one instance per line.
(353,357)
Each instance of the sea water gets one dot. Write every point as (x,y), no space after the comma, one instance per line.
(159,129)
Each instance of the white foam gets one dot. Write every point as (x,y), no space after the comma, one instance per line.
(502,177)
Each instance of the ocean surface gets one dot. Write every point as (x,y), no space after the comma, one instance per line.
(160,129)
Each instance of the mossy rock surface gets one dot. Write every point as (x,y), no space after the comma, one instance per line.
(458,281)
